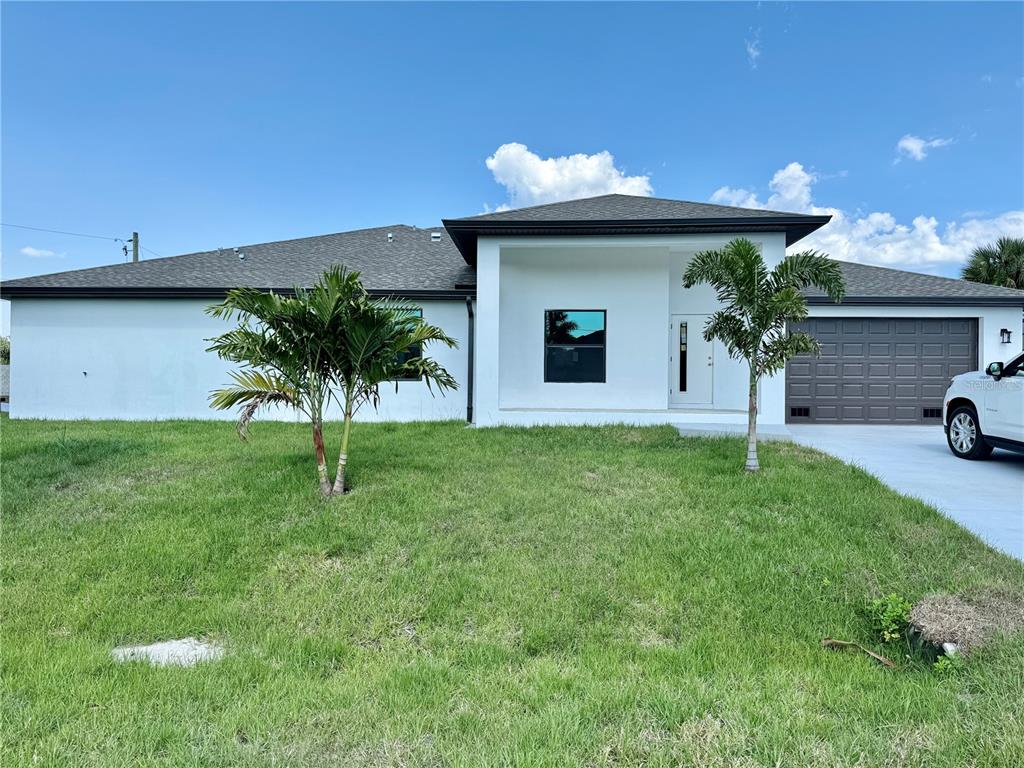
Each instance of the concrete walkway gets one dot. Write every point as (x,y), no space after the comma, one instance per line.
(986,497)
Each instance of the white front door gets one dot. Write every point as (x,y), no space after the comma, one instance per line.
(691,362)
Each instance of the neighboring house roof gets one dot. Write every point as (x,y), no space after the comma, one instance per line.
(868,285)
(411,264)
(627,215)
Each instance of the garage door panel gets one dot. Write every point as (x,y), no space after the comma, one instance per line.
(879,370)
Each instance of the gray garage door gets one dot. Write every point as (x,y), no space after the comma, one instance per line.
(885,370)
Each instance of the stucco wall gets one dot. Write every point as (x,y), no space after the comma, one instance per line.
(146,359)
(638,281)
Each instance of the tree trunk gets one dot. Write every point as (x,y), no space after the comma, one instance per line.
(752,463)
(339,479)
(321,459)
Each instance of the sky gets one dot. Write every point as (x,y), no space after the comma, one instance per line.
(204,125)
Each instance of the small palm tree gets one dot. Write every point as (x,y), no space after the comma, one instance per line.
(1000,264)
(758,305)
(379,344)
(331,342)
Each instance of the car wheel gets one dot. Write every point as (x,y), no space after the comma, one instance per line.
(964,435)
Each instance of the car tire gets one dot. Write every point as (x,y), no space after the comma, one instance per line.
(964,435)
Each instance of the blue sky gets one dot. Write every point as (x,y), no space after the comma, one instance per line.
(204,125)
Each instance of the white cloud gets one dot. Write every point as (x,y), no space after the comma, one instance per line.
(917,148)
(877,237)
(39,253)
(533,180)
(753,47)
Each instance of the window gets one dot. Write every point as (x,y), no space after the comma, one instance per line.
(574,342)
(682,357)
(413,352)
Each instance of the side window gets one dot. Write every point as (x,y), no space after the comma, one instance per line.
(413,352)
(574,345)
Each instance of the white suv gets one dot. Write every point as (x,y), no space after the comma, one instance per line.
(986,410)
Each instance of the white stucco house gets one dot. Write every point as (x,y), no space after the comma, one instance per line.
(571,312)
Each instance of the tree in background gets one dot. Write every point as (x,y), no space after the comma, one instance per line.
(328,343)
(758,305)
(1000,264)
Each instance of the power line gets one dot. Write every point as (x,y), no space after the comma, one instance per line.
(80,234)
(61,232)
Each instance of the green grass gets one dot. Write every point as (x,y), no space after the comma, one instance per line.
(555,597)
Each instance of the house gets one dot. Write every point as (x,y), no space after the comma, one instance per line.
(571,312)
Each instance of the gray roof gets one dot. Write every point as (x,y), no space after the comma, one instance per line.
(411,264)
(414,265)
(627,215)
(624,208)
(867,284)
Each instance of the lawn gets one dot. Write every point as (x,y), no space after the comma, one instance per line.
(561,597)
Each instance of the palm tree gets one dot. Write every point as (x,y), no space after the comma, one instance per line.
(758,305)
(999,264)
(331,342)
(378,344)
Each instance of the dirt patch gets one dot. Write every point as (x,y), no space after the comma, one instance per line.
(968,622)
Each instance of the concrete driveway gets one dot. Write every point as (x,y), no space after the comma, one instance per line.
(986,497)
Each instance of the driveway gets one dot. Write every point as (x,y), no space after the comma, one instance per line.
(986,497)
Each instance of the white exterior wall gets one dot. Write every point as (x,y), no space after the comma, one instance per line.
(638,281)
(147,359)
(990,321)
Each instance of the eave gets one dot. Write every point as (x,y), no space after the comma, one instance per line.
(464,232)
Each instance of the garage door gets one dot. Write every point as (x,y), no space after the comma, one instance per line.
(885,370)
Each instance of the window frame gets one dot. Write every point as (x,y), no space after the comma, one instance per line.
(414,378)
(603,347)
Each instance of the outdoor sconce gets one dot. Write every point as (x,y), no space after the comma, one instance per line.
(1004,335)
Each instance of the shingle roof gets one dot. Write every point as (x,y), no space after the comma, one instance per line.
(627,215)
(867,284)
(413,264)
(410,264)
(624,207)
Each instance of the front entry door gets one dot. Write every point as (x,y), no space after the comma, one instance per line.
(691,362)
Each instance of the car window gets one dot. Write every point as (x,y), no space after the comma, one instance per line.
(1016,366)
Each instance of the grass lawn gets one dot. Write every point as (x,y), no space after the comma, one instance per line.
(560,597)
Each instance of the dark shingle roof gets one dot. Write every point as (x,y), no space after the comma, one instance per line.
(627,215)
(411,264)
(866,284)
(622,208)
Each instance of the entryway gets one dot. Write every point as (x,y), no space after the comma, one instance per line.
(691,362)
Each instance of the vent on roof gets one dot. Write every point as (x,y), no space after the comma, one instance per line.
(435,237)
(391,237)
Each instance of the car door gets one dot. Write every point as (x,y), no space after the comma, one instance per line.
(1004,403)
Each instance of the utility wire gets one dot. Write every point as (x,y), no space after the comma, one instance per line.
(61,232)
(79,234)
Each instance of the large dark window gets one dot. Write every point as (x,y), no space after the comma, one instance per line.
(413,352)
(574,345)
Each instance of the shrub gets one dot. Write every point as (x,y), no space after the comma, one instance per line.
(5,350)
(890,616)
